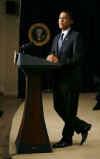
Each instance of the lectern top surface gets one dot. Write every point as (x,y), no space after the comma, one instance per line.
(25,60)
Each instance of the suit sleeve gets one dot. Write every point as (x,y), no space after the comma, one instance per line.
(79,50)
(53,46)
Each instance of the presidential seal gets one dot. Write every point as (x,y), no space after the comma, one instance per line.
(39,34)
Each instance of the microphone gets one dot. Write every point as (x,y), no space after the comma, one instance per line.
(25,46)
(22,49)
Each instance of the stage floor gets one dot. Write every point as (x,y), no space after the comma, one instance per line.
(10,122)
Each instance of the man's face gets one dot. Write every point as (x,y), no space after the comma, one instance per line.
(65,21)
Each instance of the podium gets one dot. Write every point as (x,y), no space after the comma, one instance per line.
(32,136)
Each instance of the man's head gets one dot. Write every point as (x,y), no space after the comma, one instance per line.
(65,20)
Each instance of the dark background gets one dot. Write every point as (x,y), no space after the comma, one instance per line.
(86,21)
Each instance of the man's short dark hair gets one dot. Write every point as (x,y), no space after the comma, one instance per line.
(69,11)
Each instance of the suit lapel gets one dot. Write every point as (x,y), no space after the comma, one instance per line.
(64,41)
(67,36)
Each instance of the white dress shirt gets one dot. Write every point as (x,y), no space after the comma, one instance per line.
(65,32)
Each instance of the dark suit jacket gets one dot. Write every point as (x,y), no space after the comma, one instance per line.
(71,55)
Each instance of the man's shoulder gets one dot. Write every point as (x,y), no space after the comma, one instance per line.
(75,32)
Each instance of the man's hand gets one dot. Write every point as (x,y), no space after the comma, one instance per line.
(52,58)
(55,59)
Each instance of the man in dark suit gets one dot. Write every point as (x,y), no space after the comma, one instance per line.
(68,48)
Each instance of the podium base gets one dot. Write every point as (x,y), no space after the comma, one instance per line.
(28,148)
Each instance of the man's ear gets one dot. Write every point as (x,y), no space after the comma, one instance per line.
(72,21)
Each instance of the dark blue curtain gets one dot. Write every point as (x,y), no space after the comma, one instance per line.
(32,12)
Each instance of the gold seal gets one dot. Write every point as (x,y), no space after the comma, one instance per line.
(39,34)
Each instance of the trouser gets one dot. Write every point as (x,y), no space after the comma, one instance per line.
(66,105)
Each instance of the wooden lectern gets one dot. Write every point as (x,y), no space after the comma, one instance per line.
(32,136)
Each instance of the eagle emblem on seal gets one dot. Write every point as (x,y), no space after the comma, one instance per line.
(39,34)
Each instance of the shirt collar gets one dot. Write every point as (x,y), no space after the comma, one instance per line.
(65,32)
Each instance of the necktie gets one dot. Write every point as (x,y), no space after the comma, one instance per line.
(60,41)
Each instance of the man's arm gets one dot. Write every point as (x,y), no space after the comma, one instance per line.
(51,57)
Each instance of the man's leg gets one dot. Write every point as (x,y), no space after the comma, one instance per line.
(67,111)
(71,102)
(75,124)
